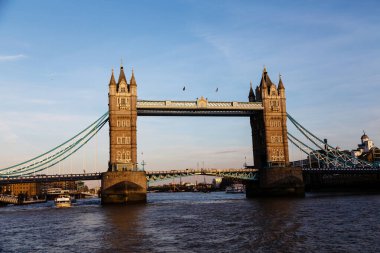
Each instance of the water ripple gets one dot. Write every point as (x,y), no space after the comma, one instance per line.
(197,222)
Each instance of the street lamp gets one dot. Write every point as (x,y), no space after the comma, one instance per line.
(143,165)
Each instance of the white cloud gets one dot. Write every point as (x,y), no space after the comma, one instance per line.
(6,58)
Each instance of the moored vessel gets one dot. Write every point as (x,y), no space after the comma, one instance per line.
(235,188)
(63,201)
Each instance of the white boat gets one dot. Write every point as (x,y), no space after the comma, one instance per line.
(63,201)
(235,188)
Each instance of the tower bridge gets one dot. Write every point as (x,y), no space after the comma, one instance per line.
(272,174)
(266,109)
(123,182)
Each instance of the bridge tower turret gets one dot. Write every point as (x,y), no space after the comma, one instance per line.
(270,144)
(122,123)
(269,131)
(123,182)
(251,96)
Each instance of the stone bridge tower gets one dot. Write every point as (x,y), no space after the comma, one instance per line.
(122,99)
(123,182)
(270,143)
(269,131)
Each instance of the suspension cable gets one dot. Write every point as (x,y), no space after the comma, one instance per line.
(55,156)
(94,125)
(338,155)
(29,173)
(34,158)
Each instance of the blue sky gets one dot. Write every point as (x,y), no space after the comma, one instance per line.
(56,58)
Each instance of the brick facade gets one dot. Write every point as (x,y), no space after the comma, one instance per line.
(269,131)
(122,123)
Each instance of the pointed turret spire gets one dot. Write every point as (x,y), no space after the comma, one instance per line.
(112,81)
(280,84)
(122,75)
(265,80)
(251,96)
(263,83)
(133,81)
(266,76)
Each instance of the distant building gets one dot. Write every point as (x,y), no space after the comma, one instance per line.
(81,187)
(30,189)
(95,190)
(33,189)
(64,185)
(367,150)
(374,155)
(364,147)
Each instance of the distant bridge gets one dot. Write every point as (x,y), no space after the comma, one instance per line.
(151,176)
(244,174)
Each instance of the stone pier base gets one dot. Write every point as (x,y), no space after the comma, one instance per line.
(277,182)
(123,187)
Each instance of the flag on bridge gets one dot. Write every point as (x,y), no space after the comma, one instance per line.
(216,89)
(184,88)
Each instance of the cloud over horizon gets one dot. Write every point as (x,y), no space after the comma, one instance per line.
(6,58)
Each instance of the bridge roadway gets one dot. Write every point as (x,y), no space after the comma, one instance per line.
(151,176)
(342,171)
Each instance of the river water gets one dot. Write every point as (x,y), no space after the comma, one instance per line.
(197,222)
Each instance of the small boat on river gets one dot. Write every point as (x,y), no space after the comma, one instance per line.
(235,188)
(63,201)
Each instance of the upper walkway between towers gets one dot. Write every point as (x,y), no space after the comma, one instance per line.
(199,107)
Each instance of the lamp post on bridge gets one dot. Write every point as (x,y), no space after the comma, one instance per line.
(143,165)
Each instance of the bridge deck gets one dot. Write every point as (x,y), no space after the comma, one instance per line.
(160,175)
(369,170)
(150,175)
(243,174)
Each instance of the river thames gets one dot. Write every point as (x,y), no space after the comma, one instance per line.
(197,222)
